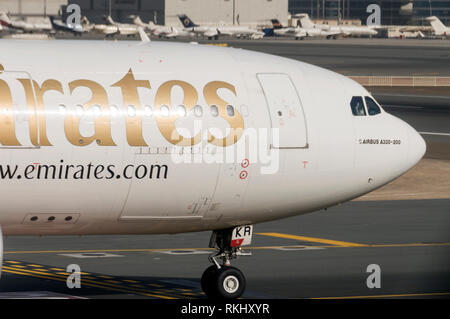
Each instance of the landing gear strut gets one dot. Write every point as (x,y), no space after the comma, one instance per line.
(221,280)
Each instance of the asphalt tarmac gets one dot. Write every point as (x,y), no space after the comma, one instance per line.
(352,56)
(320,255)
(362,56)
(428,112)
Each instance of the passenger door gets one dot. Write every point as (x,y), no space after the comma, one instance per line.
(286,111)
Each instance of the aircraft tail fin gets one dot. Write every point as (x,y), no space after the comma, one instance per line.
(305,21)
(152,26)
(138,21)
(4,19)
(110,21)
(438,27)
(186,21)
(85,21)
(276,24)
(143,35)
(52,21)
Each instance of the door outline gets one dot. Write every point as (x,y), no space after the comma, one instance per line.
(38,135)
(270,116)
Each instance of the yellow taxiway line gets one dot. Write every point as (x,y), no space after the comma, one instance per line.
(36,274)
(46,275)
(313,240)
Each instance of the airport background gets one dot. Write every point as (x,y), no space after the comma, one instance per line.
(244,12)
(393,12)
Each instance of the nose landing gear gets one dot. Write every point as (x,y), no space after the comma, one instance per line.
(225,282)
(221,280)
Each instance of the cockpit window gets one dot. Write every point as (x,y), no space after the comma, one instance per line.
(372,107)
(357,106)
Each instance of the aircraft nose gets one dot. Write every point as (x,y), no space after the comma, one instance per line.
(416,146)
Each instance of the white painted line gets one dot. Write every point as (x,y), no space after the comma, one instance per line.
(184,252)
(403,106)
(435,133)
(393,195)
(413,95)
(295,248)
(91,255)
(36,295)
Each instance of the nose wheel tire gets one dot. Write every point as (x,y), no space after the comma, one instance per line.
(224,283)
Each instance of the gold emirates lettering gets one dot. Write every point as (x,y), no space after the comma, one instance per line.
(128,85)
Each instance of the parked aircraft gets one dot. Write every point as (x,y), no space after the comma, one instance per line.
(439,28)
(160,30)
(216,32)
(59,25)
(43,26)
(300,33)
(124,28)
(105,29)
(347,30)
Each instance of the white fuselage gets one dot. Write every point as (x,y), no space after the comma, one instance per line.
(127,29)
(94,146)
(238,31)
(170,32)
(30,27)
(439,29)
(356,30)
(105,29)
(225,30)
(299,32)
(349,29)
(123,28)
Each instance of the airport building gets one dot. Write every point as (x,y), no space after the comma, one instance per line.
(393,12)
(244,12)
(210,12)
(229,12)
(120,10)
(31,8)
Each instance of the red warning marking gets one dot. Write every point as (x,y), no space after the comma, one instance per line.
(237,242)
(245,163)
(243,175)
